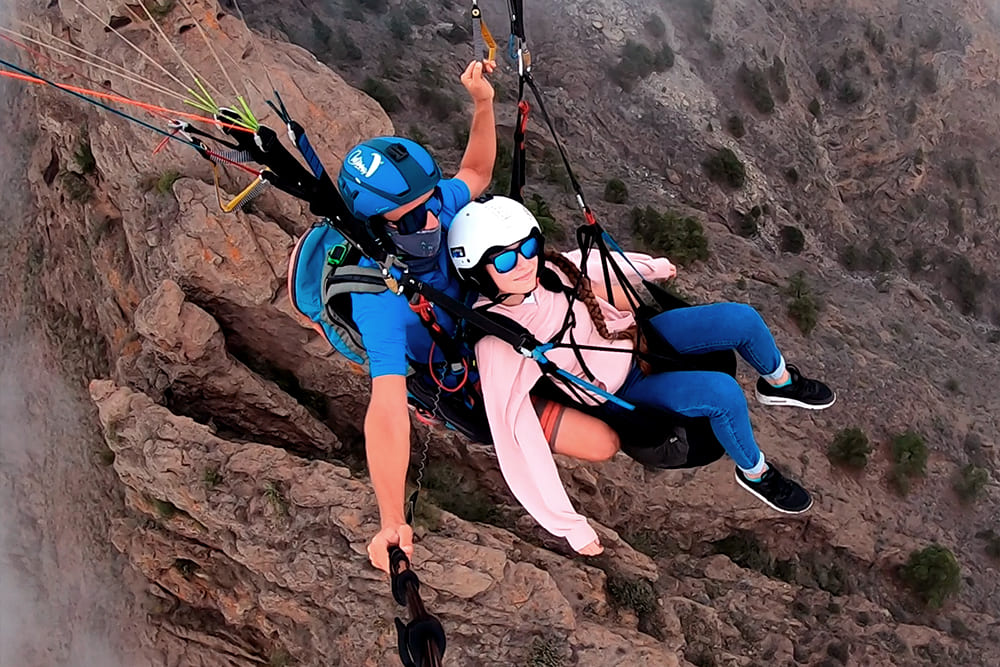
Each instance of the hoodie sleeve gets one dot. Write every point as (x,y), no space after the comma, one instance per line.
(650,268)
(522,451)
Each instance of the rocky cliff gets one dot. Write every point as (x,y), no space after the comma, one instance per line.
(235,433)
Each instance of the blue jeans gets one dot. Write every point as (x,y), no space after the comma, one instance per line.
(718,326)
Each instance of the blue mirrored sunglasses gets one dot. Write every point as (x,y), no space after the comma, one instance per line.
(507,260)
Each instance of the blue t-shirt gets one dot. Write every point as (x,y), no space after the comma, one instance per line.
(390,330)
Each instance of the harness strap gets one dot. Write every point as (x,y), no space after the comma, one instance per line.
(483,44)
(449,346)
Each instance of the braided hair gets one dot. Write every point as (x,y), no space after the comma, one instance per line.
(585,293)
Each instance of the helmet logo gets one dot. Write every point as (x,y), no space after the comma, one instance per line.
(356,160)
(458,252)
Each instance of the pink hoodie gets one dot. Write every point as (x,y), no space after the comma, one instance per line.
(522,451)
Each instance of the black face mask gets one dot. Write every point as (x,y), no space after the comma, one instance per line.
(422,244)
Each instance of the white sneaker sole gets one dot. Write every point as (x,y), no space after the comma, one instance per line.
(768,502)
(777,400)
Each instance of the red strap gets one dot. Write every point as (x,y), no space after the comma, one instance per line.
(524,108)
(423,308)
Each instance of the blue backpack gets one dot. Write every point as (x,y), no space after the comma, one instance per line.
(323,272)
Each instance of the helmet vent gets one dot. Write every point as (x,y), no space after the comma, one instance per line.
(397,152)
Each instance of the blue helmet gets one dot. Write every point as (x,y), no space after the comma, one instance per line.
(384,173)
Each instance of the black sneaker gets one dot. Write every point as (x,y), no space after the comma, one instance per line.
(802,392)
(777,491)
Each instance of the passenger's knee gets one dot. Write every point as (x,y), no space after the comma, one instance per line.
(611,446)
(728,391)
(746,313)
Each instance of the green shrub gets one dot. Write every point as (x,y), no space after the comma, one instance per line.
(876,37)
(186,567)
(274,495)
(635,594)
(548,651)
(552,169)
(804,307)
(931,39)
(850,447)
(653,543)
(280,657)
(880,257)
(164,509)
(638,61)
(877,257)
(680,238)
(616,192)
(703,9)
(734,124)
(165,183)
(77,187)
(84,155)
(779,79)
(746,223)
(956,219)
(382,94)
(814,108)
(909,456)
(501,166)
(344,48)
(970,482)
(792,239)
(850,92)
(399,26)
(992,543)
(450,490)
(375,6)
(160,10)
(655,27)
(212,478)
(105,456)
(933,574)
(849,58)
(963,172)
(540,209)
(755,86)
(928,78)
(967,282)
(725,168)
(441,102)
(823,78)
(916,261)
(417,13)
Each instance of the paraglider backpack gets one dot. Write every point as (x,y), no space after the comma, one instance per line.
(323,272)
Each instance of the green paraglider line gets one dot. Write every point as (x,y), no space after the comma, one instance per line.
(148,126)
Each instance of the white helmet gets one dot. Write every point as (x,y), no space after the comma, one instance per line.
(482,228)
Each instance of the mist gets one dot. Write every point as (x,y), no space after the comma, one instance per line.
(62,597)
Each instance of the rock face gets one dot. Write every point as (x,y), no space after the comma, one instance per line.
(235,431)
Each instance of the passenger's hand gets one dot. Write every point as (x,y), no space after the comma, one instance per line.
(394,533)
(592,549)
(480,90)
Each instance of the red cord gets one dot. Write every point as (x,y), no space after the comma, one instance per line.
(430,367)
